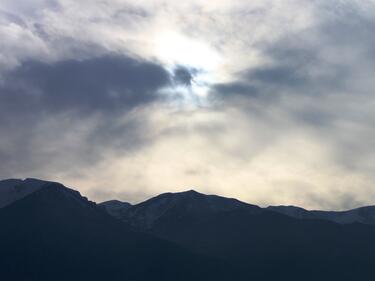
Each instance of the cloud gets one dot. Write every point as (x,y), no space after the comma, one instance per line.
(315,86)
(74,111)
(108,83)
(105,96)
(183,75)
(232,89)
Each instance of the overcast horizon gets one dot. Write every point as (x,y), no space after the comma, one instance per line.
(270,102)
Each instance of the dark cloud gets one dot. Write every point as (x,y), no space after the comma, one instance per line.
(280,75)
(31,8)
(235,88)
(109,83)
(6,17)
(319,83)
(326,59)
(129,12)
(74,111)
(292,71)
(266,82)
(315,86)
(183,75)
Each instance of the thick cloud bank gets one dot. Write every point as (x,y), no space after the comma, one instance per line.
(243,99)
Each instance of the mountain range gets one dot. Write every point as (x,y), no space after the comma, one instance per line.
(51,232)
(145,213)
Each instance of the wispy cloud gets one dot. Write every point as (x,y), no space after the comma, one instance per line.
(244,99)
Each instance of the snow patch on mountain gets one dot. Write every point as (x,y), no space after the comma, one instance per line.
(116,208)
(12,190)
(180,204)
(364,215)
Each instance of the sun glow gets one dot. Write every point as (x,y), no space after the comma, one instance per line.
(176,49)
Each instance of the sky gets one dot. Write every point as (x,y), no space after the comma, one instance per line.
(268,101)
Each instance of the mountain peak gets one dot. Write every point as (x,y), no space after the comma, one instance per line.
(114,202)
(188,203)
(191,191)
(188,193)
(364,215)
(12,190)
(115,208)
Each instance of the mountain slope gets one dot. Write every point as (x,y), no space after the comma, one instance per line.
(365,215)
(12,190)
(115,208)
(263,244)
(55,234)
(176,206)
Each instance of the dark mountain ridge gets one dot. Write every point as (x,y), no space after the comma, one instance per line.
(179,205)
(54,233)
(146,212)
(116,208)
(263,244)
(12,190)
(365,215)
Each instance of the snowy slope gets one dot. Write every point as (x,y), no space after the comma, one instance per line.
(180,204)
(360,215)
(116,208)
(12,190)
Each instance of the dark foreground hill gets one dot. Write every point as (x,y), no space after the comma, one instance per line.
(365,215)
(263,244)
(53,233)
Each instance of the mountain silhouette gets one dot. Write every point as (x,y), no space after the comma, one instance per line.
(364,215)
(51,232)
(56,234)
(177,206)
(116,208)
(12,190)
(263,244)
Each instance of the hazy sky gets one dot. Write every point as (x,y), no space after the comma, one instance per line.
(268,101)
